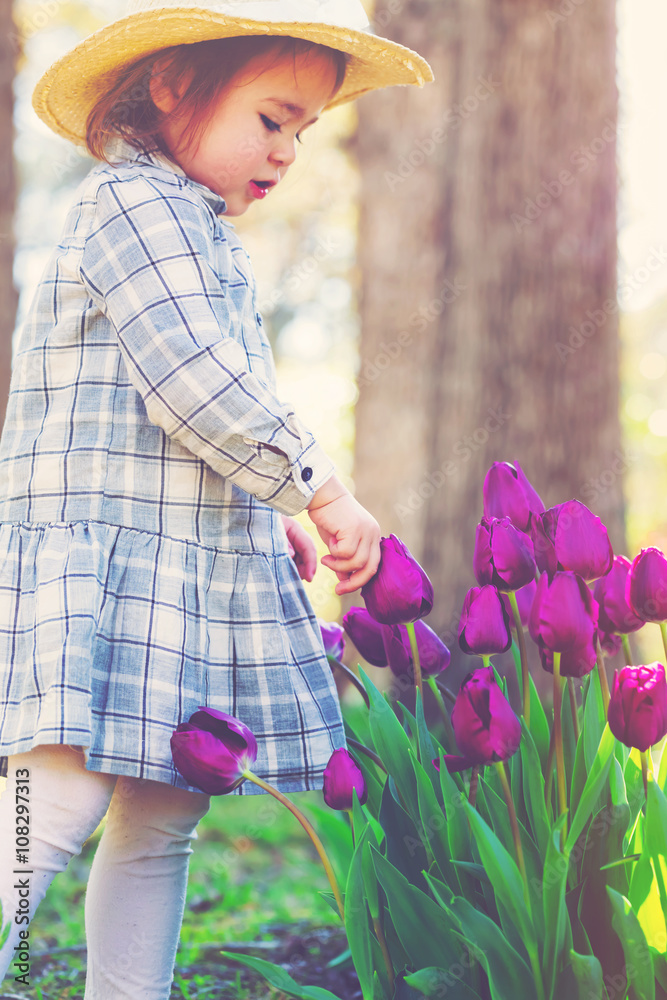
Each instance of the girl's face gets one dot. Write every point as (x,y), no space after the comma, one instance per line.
(251,136)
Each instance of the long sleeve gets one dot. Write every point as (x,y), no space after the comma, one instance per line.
(158,267)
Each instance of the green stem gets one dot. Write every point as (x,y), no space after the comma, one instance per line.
(558,741)
(663,633)
(474,783)
(449,732)
(486,660)
(625,639)
(573,708)
(643,754)
(352,678)
(410,626)
(514,823)
(549,774)
(369,753)
(308,827)
(521,639)
(602,674)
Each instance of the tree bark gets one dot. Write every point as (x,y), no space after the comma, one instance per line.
(488,261)
(8,293)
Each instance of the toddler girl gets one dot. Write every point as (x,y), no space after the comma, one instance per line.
(148,471)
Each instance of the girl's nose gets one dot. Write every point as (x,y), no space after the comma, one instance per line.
(284,152)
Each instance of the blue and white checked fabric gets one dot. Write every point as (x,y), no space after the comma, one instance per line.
(144,568)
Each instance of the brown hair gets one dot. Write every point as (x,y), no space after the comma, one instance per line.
(127,110)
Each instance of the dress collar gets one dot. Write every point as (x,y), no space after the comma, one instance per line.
(122,150)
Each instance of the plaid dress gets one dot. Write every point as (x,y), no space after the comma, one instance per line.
(144,464)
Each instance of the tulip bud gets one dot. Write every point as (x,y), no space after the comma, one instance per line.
(367,635)
(646,586)
(434,656)
(333,638)
(610,642)
(484,627)
(507,493)
(485,727)
(564,615)
(503,554)
(400,591)
(637,713)
(579,538)
(615,614)
(212,750)
(341,777)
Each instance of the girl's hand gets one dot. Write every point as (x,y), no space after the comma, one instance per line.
(351,534)
(302,548)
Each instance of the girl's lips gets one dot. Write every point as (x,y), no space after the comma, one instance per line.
(259,191)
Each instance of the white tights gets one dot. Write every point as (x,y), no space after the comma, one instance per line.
(136,888)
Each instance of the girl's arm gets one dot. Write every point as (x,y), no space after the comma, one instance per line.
(151,263)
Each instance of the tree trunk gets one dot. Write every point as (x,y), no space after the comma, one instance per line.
(8,294)
(488,255)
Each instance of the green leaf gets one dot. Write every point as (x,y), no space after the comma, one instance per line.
(662,772)
(392,744)
(569,742)
(594,782)
(434,982)
(579,775)
(554,886)
(433,822)
(645,901)
(533,789)
(429,748)
(595,718)
(581,979)
(509,976)
(357,924)
(539,726)
(403,845)
(281,979)
(423,927)
(458,830)
(656,837)
(503,873)
(638,964)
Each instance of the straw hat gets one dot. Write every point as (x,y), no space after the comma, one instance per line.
(69,89)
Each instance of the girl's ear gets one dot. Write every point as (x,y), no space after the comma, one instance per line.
(163,94)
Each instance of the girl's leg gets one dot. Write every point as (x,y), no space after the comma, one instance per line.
(66,804)
(136,889)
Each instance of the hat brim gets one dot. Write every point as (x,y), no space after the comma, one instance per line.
(70,88)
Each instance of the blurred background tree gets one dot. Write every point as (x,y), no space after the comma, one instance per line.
(488,254)
(8,292)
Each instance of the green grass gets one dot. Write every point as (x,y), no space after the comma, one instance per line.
(253,868)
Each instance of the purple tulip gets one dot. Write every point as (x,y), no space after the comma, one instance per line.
(333,638)
(609,592)
(485,727)
(503,554)
(400,591)
(367,635)
(638,707)
(341,777)
(212,750)
(434,656)
(646,586)
(579,538)
(575,662)
(507,493)
(564,615)
(484,627)
(524,598)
